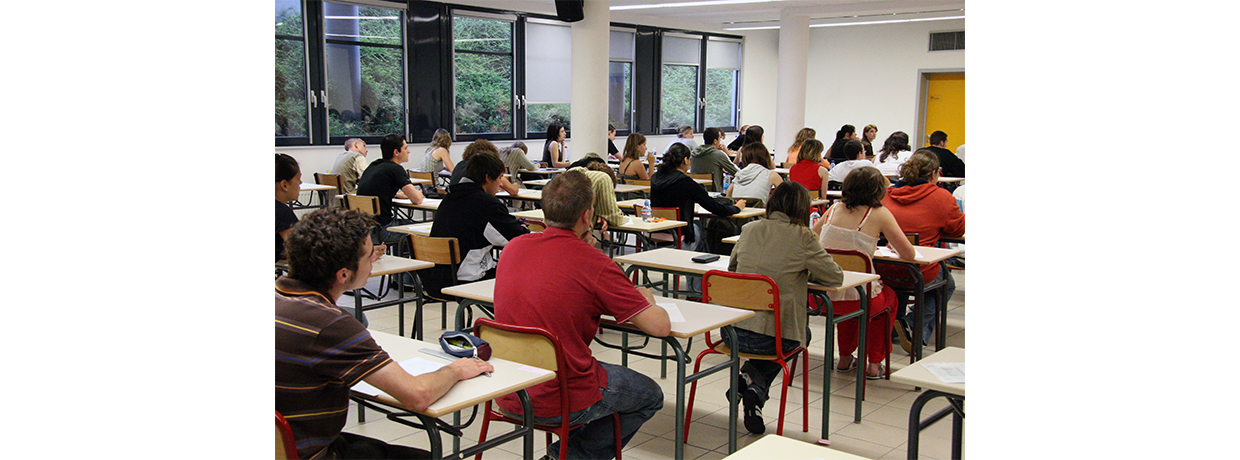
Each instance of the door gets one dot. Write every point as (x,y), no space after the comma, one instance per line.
(945,108)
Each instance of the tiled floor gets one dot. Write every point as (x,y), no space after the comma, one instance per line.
(882,433)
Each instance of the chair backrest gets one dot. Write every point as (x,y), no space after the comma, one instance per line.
(535,225)
(439,251)
(754,203)
(740,290)
(643,183)
(531,346)
(286,449)
(330,179)
(786,164)
(421,175)
(666,213)
(815,194)
(914,238)
(852,260)
(363,203)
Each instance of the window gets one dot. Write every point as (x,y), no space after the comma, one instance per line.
(620,81)
(483,67)
(365,70)
(548,76)
(722,69)
(292,111)
(679,101)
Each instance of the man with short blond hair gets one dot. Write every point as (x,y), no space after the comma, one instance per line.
(350,164)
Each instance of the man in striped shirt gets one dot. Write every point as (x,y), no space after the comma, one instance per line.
(322,351)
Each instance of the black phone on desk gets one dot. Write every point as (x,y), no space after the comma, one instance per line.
(706,258)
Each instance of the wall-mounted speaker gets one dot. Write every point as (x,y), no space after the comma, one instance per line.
(570,10)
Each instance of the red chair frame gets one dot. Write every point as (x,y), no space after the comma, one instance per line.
(562,430)
(286,437)
(862,341)
(782,357)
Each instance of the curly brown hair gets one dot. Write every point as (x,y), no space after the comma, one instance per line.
(864,187)
(922,165)
(325,241)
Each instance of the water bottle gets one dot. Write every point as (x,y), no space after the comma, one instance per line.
(813,218)
(646,212)
(727,180)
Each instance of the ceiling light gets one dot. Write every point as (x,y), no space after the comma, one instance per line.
(686,4)
(884,22)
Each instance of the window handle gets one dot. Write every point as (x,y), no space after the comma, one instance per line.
(314,101)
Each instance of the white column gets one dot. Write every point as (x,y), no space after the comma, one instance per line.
(790,94)
(590,50)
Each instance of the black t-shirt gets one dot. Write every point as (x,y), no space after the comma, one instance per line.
(611,148)
(837,150)
(383,178)
(458,172)
(284,219)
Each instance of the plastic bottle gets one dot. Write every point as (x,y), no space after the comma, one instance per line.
(727,181)
(813,218)
(646,212)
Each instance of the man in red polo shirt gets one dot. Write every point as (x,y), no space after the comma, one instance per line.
(532,290)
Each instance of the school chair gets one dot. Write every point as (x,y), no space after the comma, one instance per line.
(330,179)
(439,251)
(286,449)
(855,261)
(759,293)
(536,347)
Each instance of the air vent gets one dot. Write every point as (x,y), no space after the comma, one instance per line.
(946,41)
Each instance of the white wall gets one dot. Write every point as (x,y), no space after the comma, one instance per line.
(860,75)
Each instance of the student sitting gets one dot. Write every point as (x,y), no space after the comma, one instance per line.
(757,176)
(855,152)
(672,188)
(808,170)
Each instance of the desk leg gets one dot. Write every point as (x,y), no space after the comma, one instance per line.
(828,351)
(916,424)
(862,358)
(734,375)
(680,399)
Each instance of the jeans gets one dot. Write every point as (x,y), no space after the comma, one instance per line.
(762,373)
(633,395)
(931,304)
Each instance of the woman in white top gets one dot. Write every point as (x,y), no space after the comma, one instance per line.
(854,222)
(889,159)
(757,177)
(437,156)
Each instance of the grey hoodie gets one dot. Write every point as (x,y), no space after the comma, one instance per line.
(709,159)
(746,183)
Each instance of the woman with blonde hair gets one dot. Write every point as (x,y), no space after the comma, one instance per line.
(808,170)
(631,164)
(795,148)
(437,157)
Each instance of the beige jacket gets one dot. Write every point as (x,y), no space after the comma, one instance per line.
(791,256)
(604,196)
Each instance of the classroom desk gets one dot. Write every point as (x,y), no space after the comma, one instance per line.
(772,446)
(386,265)
(926,255)
(627,205)
(544,171)
(509,377)
(323,191)
(635,226)
(950,180)
(620,188)
(420,229)
(917,375)
(428,206)
(524,195)
(679,262)
(699,318)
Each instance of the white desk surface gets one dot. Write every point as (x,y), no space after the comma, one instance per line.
(545,171)
(431,204)
(631,225)
(388,264)
(917,375)
(928,255)
(419,181)
(951,179)
(744,214)
(422,229)
(307,187)
(508,377)
(682,261)
(522,194)
(620,188)
(783,171)
(779,447)
(699,317)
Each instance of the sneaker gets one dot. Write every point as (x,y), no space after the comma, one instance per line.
(753,413)
(905,335)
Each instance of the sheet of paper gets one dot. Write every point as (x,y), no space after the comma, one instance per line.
(947,372)
(673,312)
(886,251)
(414,366)
(534,370)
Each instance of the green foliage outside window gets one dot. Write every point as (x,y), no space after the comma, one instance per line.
(720,98)
(679,95)
(381,109)
(483,83)
(290,91)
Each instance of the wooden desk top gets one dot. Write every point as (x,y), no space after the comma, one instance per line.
(545,171)
(388,265)
(951,179)
(631,225)
(419,181)
(917,375)
(772,446)
(682,261)
(508,377)
(928,255)
(620,188)
(422,229)
(698,317)
(431,204)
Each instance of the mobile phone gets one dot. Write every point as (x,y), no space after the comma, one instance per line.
(706,258)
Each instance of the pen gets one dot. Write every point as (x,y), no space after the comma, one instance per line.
(488,374)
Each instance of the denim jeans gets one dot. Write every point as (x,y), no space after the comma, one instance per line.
(633,395)
(762,373)
(927,314)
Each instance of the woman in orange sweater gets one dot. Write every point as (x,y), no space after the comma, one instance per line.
(921,206)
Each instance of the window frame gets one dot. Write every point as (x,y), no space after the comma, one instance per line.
(518,69)
(404,64)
